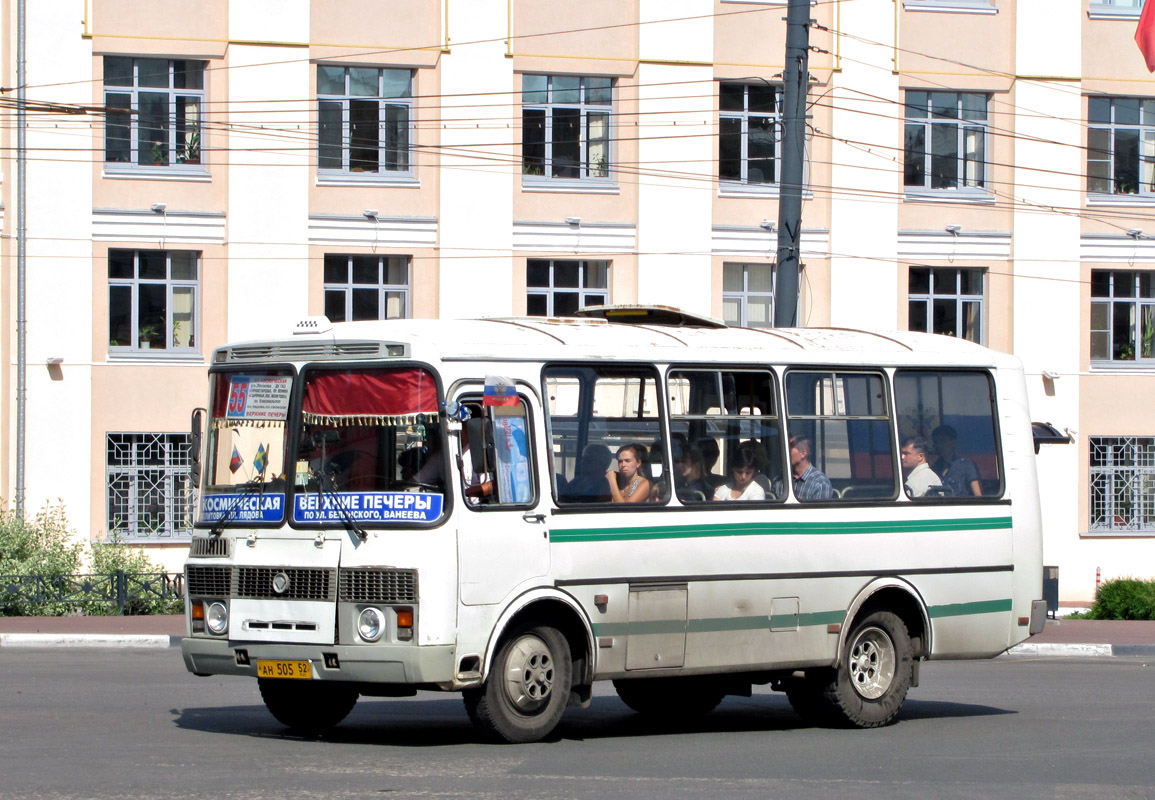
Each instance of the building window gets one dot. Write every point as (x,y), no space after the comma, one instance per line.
(750,133)
(1122,483)
(152,300)
(748,295)
(366,287)
(364,119)
(149,491)
(947,301)
(1121,145)
(153,114)
(1118,3)
(946,140)
(565,126)
(559,288)
(1122,315)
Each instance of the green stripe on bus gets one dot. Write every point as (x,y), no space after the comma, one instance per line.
(778,529)
(764,623)
(965,609)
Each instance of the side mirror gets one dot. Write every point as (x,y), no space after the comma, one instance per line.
(196,435)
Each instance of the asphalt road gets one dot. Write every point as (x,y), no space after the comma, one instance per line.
(133,724)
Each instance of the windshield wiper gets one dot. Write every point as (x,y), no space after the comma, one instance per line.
(249,488)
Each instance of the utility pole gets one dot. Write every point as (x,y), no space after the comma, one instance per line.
(796,78)
(21,254)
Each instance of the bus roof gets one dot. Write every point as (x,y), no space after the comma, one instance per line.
(571,338)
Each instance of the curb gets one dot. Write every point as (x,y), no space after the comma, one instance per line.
(145,641)
(1082,650)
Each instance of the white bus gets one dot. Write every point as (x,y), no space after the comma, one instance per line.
(386,507)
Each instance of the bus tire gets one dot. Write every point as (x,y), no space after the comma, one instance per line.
(669,697)
(873,674)
(528,687)
(309,707)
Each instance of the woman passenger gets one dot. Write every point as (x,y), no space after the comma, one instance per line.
(743,470)
(628,484)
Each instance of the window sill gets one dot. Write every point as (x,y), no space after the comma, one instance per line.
(1112,12)
(153,356)
(1123,367)
(1098,199)
(965,196)
(1117,534)
(367,179)
(114,172)
(729,189)
(950,6)
(570,186)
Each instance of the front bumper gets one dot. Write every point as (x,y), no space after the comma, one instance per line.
(380,664)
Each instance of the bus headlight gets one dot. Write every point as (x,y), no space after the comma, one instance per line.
(371,625)
(217,618)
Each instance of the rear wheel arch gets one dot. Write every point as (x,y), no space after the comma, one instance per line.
(902,600)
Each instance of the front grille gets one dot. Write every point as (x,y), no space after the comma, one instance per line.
(379,586)
(208,581)
(210,547)
(257,583)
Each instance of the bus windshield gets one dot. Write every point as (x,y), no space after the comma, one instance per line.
(244,477)
(369,447)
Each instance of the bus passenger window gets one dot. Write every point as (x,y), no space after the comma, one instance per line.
(722,421)
(593,413)
(953,413)
(840,436)
(494,464)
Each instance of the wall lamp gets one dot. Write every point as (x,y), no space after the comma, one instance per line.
(1135,233)
(159,208)
(953,229)
(370,213)
(573,220)
(768,225)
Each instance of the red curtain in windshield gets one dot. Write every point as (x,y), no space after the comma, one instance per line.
(368,396)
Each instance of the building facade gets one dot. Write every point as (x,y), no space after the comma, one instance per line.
(218,174)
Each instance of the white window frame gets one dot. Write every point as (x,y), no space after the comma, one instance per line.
(745,117)
(970,172)
(1122,485)
(386,290)
(1103,148)
(742,296)
(948,293)
(551,95)
(587,295)
(182,150)
(173,324)
(149,493)
(1142,322)
(394,159)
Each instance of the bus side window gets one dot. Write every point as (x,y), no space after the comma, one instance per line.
(593,411)
(495,462)
(840,434)
(954,412)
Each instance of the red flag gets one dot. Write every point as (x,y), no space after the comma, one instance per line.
(1145,35)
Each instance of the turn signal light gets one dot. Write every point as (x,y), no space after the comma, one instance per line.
(404,617)
(198,611)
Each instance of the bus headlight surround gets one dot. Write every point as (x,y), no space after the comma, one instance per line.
(371,625)
(217,618)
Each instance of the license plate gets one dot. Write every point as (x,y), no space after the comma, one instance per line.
(284,669)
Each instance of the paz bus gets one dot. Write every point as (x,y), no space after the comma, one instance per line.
(392,506)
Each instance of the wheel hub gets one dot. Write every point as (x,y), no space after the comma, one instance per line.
(529,675)
(872,663)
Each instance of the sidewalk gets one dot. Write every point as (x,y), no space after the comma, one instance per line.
(1061,638)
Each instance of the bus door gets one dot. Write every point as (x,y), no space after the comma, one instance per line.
(502,518)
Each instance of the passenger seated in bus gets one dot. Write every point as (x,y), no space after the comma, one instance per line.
(959,475)
(589,482)
(809,482)
(628,484)
(920,478)
(477,483)
(690,483)
(743,469)
(710,454)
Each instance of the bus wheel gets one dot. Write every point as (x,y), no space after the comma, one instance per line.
(307,706)
(873,673)
(669,697)
(528,688)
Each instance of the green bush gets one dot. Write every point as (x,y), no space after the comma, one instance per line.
(46,547)
(1124,598)
(40,546)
